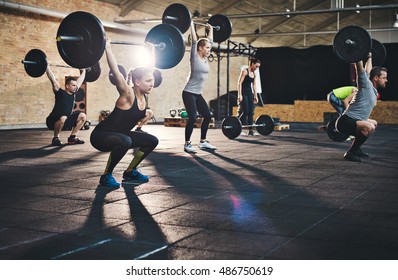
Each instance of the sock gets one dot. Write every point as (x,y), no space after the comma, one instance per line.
(357,143)
(106,171)
(136,160)
(72,136)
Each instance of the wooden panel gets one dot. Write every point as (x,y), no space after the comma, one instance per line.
(386,112)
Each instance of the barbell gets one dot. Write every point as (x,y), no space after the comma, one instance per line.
(353,43)
(232,126)
(81,41)
(156,74)
(35,64)
(179,16)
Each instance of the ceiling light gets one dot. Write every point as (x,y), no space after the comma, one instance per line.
(357,6)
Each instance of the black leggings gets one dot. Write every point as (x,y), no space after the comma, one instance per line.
(118,144)
(246,111)
(196,103)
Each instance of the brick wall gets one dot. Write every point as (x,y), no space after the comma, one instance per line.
(28,101)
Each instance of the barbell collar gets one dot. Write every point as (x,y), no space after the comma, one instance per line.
(88,69)
(350,42)
(253,125)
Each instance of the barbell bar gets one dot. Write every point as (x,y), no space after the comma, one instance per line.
(81,41)
(35,64)
(179,16)
(232,127)
(194,22)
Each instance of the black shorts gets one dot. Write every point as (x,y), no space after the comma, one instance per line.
(347,125)
(69,123)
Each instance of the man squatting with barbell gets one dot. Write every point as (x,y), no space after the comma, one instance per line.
(355,119)
(61,117)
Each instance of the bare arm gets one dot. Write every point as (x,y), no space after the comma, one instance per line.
(210,33)
(120,82)
(369,64)
(193,32)
(52,79)
(255,90)
(240,81)
(80,80)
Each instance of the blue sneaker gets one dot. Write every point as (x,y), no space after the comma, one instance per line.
(135,175)
(107,180)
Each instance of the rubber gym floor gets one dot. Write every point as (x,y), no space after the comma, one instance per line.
(286,196)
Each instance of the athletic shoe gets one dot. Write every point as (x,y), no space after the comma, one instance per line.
(107,180)
(351,156)
(206,145)
(56,142)
(188,148)
(135,175)
(253,133)
(74,141)
(361,154)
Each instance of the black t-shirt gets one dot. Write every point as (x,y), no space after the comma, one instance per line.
(63,104)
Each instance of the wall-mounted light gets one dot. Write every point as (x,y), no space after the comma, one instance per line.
(287,11)
(357,6)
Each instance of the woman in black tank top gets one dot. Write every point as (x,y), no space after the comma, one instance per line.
(247,94)
(115,134)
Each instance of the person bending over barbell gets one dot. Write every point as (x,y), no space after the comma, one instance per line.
(114,134)
(192,93)
(61,117)
(355,119)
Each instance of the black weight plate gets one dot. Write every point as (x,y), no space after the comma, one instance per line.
(122,70)
(379,53)
(350,53)
(333,133)
(94,73)
(158,77)
(231,127)
(177,15)
(87,52)
(174,49)
(39,65)
(225,25)
(265,125)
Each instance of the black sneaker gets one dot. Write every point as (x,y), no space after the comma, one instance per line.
(351,156)
(361,154)
(74,141)
(56,142)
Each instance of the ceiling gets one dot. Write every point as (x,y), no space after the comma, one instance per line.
(275,23)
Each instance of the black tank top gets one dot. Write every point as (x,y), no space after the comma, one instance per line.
(122,120)
(247,83)
(63,105)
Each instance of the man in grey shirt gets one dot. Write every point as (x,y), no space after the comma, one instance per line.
(355,119)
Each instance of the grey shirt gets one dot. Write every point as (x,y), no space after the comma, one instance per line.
(199,72)
(364,100)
